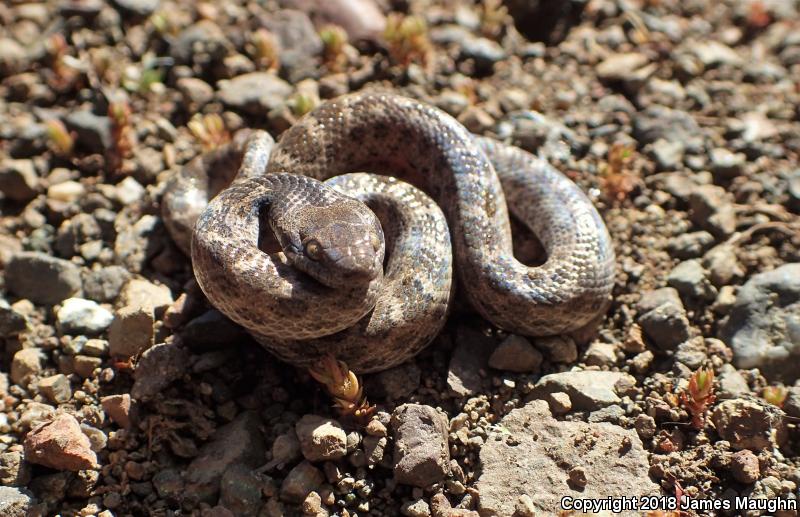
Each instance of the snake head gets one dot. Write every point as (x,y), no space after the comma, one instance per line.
(339,245)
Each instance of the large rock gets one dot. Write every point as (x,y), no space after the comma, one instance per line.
(421,452)
(750,424)
(588,390)
(763,329)
(42,278)
(546,460)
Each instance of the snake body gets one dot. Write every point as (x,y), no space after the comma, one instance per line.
(370,321)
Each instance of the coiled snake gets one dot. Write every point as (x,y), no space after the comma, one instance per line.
(328,291)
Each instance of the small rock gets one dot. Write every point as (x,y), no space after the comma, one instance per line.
(600,354)
(645,426)
(725,164)
(534,455)
(476,119)
(140,8)
(141,293)
(14,470)
(689,279)
(66,192)
(256,92)
(25,363)
(300,481)
(631,68)
(744,467)
(421,451)
(667,155)
(138,243)
(690,245)
(587,389)
(375,449)
(12,57)
(469,357)
(560,349)
(212,329)
(418,508)
(722,265)
(201,43)
(240,491)
(85,365)
(195,91)
(731,383)
(60,444)
(118,407)
(748,424)
(56,388)
(484,51)
(663,318)
(321,438)
(299,43)
(711,209)
(42,278)
(711,53)
(93,131)
(18,180)
(237,443)
(159,366)
(12,322)
(559,402)
(15,502)
(516,354)
(104,285)
(361,19)
(131,332)
(285,450)
(658,122)
(129,191)
(312,505)
(78,316)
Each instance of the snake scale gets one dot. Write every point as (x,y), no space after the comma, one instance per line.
(365,263)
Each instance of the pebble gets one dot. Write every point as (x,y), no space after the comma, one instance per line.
(85,365)
(129,191)
(60,444)
(587,389)
(18,180)
(212,329)
(13,57)
(321,438)
(104,284)
(312,505)
(763,328)
(559,402)
(750,424)
(196,92)
(468,359)
(395,383)
(256,92)
(56,388)
(141,8)
(711,209)
(299,43)
(744,467)
(516,354)
(661,123)
(141,293)
(118,408)
(418,508)
(300,481)
(725,164)
(663,318)
(690,280)
(421,451)
(722,265)
(15,502)
(534,455)
(14,470)
(66,192)
(237,443)
(713,53)
(631,68)
(131,332)
(201,43)
(78,316)
(136,244)
(158,367)
(285,450)
(731,383)
(12,322)
(41,278)
(560,349)
(375,449)
(484,51)
(26,362)
(600,354)
(690,245)
(361,19)
(240,491)
(93,132)
(668,155)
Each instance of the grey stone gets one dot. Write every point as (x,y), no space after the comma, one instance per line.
(663,318)
(15,502)
(140,8)
(657,122)
(534,455)
(131,332)
(42,278)
(763,328)
(361,19)
(138,243)
(93,131)
(516,354)
(56,388)
(26,362)
(321,438)
(690,245)
(713,53)
(158,367)
(689,279)
(79,316)
(256,92)
(560,349)
(14,470)
(588,390)
(299,43)
(731,383)
(667,155)
(201,43)
(722,265)
(469,358)
(104,285)
(484,51)
(12,322)
(18,180)
(421,451)
(750,424)
(725,164)
(238,443)
(710,208)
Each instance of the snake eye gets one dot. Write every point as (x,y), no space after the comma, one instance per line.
(313,250)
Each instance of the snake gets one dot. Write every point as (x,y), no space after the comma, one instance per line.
(347,236)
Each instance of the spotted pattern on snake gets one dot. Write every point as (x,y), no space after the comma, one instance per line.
(469,177)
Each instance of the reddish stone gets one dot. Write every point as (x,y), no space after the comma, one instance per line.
(60,444)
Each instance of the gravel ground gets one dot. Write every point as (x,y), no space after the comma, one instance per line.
(125,393)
